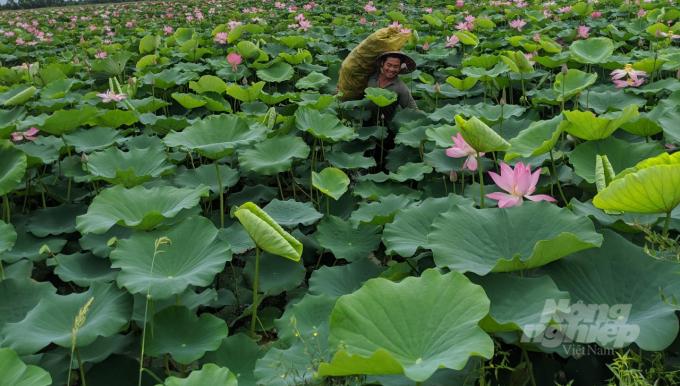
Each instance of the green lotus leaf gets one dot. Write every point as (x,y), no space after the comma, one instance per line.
(116,118)
(411,171)
(128,168)
(604,172)
(239,353)
(548,233)
(8,236)
(467,38)
(462,84)
(661,159)
(67,121)
(343,160)
(149,43)
(51,321)
(539,138)
(324,126)
(189,101)
(517,62)
(210,374)
(621,154)
(9,120)
(541,304)
(314,80)
(19,270)
(245,94)
(248,49)
(480,136)
(55,220)
(58,88)
(209,83)
(277,72)
(274,155)
(585,125)
(217,135)
(148,104)
(185,336)
(207,175)
(300,57)
(642,126)
(649,190)
(592,50)
(18,95)
(604,101)
(138,207)
(88,140)
(14,372)
(628,285)
(21,296)
(575,81)
(377,329)
(331,181)
(379,212)
(13,165)
(345,241)
(44,150)
(267,234)
(484,74)
(410,227)
(380,96)
(276,275)
(193,257)
(291,213)
(28,246)
(344,279)
(83,269)
(285,367)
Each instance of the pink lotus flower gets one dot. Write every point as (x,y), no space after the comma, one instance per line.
(536,38)
(582,32)
(596,14)
(520,183)
(517,24)
(565,9)
(221,38)
(234,59)
(464,26)
(110,96)
(362,20)
(428,10)
(305,24)
(460,3)
(635,77)
(29,135)
(462,149)
(168,30)
(369,7)
(101,55)
(641,12)
(451,41)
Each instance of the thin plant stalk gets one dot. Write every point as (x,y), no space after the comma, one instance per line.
(278,181)
(557,178)
(221,188)
(6,209)
(256,283)
(481,181)
(666,223)
(78,322)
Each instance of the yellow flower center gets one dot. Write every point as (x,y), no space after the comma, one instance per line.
(628,68)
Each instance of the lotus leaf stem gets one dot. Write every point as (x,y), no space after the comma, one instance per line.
(6,209)
(481,181)
(221,188)
(2,271)
(557,178)
(256,282)
(278,181)
(80,367)
(666,223)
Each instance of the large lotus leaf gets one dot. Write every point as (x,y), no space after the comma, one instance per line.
(55,220)
(592,51)
(277,72)
(380,96)
(604,101)
(245,94)
(588,126)
(51,321)
(83,269)
(189,101)
(266,233)
(650,190)
(643,126)
(411,171)
(575,81)
(345,241)
(343,160)
(128,168)
(209,83)
(660,159)
(307,320)
(9,120)
(619,294)
(323,126)
(217,135)
(290,213)
(344,279)
(116,118)
(621,154)
(331,181)
(207,175)
(28,246)
(17,95)
(193,257)
(98,244)
(67,121)
(8,236)
(314,80)
(539,138)
(480,136)
(138,207)
(540,302)
(13,163)
(20,296)
(410,227)
(14,372)
(44,150)
(210,374)
(286,367)
(88,140)
(276,275)
(239,353)
(528,236)
(413,327)
(623,222)
(185,336)
(379,212)
(273,155)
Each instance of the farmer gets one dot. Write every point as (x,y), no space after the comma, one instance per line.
(390,65)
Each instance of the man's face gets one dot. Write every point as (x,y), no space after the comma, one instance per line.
(391,67)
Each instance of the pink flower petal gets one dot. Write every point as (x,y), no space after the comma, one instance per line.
(470,163)
(505,200)
(541,197)
(455,152)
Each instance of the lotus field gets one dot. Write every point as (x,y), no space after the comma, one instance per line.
(187,199)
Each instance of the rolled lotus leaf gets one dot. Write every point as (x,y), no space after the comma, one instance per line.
(267,234)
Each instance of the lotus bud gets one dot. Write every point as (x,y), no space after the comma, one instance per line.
(564,69)
(453,176)
(437,88)
(502,100)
